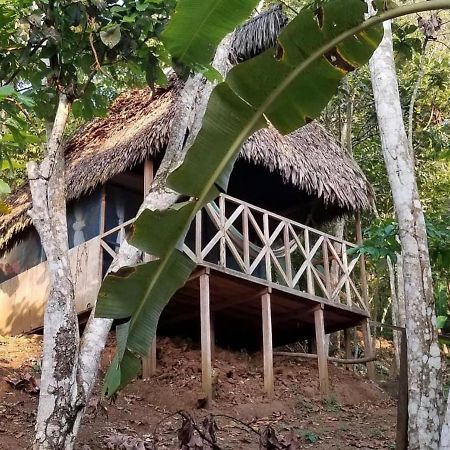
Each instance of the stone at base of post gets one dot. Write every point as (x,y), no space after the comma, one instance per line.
(149,362)
(368,349)
(322,357)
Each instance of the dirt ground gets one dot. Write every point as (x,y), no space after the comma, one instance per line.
(359,414)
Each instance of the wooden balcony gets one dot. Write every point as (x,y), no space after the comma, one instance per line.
(253,244)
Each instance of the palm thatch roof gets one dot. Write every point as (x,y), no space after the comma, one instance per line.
(137,127)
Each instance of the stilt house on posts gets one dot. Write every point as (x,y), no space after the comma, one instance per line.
(265,274)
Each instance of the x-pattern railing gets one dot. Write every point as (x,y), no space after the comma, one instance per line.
(236,235)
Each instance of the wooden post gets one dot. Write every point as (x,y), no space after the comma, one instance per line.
(402,404)
(322,357)
(348,345)
(222,242)
(246,239)
(309,275)
(149,363)
(213,337)
(101,231)
(205,324)
(148,175)
(287,254)
(368,345)
(368,348)
(198,235)
(326,267)
(266,231)
(363,274)
(267,345)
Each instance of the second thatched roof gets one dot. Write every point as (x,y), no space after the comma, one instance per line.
(137,127)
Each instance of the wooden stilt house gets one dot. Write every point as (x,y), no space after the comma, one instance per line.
(262,264)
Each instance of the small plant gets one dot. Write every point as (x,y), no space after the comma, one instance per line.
(36,367)
(331,403)
(376,433)
(310,437)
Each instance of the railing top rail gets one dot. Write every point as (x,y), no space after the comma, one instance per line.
(117,228)
(285,219)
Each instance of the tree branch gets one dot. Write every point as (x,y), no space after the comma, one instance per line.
(412,102)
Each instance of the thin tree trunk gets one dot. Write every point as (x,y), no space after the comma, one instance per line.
(412,102)
(345,128)
(401,292)
(58,393)
(394,313)
(424,361)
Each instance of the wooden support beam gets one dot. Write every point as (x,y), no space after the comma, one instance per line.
(363,274)
(348,345)
(330,358)
(213,337)
(267,345)
(149,363)
(402,405)
(322,357)
(148,175)
(205,325)
(368,348)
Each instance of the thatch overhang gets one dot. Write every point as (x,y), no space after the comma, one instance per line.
(137,127)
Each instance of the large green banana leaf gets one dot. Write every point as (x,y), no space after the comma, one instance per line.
(287,87)
(198,26)
(271,86)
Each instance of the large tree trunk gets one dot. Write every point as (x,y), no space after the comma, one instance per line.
(58,394)
(424,361)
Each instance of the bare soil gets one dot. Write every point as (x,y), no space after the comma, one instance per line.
(359,414)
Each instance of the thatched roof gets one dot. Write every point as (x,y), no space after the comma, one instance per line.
(137,127)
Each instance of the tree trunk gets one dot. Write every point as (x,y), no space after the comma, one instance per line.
(394,313)
(424,361)
(58,394)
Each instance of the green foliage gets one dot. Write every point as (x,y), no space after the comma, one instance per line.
(310,437)
(89,50)
(194,45)
(380,241)
(331,403)
(16,132)
(293,87)
(407,40)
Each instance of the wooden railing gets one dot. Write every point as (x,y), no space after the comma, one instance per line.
(111,240)
(235,235)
